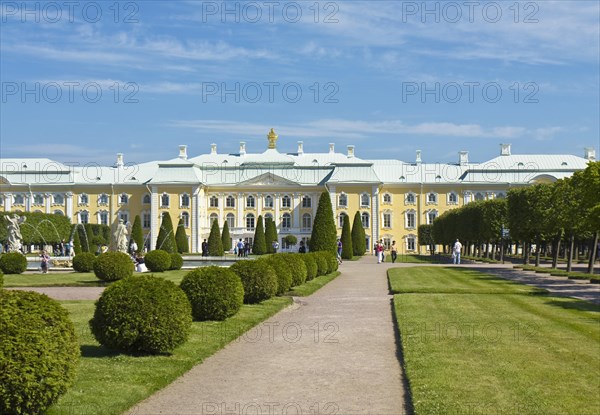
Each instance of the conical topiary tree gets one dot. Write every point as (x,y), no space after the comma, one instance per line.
(76,243)
(270,234)
(181,238)
(137,234)
(259,246)
(324,233)
(225,237)
(215,244)
(359,239)
(166,236)
(88,237)
(347,251)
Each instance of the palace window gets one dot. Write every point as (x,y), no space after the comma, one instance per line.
(479,196)
(410,199)
(268,216)
(212,218)
(58,212)
(431,198)
(250,222)
(452,198)
(38,199)
(268,201)
(230,220)
(431,215)
(19,199)
(124,216)
(341,220)
(387,198)
(103,199)
(387,220)
(83,199)
(146,220)
(364,200)
(214,202)
(103,217)
(147,199)
(410,243)
(364,217)
(250,203)
(123,199)
(306,202)
(343,200)
(286,201)
(500,195)
(58,199)
(165,200)
(84,217)
(286,221)
(230,202)
(410,219)
(185,218)
(184,200)
(306,222)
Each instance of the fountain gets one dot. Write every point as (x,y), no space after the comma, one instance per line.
(87,241)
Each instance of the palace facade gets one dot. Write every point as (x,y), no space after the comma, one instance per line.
(393,197)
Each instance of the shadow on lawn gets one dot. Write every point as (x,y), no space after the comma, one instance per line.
(579,305)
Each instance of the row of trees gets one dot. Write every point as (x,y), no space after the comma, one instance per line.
(547,215)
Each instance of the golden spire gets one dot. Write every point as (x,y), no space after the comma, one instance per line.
(272,138)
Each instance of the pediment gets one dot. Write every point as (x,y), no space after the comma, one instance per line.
(268,179)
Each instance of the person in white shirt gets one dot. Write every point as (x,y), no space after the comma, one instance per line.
(456,252)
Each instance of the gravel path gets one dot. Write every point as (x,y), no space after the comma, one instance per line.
(334,352)
(65,293)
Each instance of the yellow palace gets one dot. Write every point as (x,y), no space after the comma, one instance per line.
(393,197)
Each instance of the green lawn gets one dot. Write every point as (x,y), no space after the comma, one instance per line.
(413,259)
(73,279)
(452,280)
(110,383)
(471,353)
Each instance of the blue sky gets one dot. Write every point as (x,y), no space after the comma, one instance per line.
(387,77)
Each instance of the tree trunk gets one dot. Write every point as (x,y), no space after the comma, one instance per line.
(526,246)
(538,252)
(555,251)
(570,254)
(502,250)
(593,253)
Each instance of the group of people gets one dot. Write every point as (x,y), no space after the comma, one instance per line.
(242,248)
(379,251)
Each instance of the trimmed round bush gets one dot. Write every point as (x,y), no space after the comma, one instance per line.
(215,293)
(142,314)
(282,270)
(298,268)
(13,263)
(39,352)
(332,262)
(113,266)
(84,262)
(1,279)
(322,265)
(176,261)
(311,266)
(258,278)
(158,260)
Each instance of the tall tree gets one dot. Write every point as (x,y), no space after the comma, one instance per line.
(226,237)
(181,238)
(425,236)
(215,244)
(270,234)
(347,250)
(324,232)
(166,236)
(259,246)
(136,233)
(359,238)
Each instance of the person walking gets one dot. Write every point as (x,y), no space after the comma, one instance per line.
(204,248)
(379,250)
(456,252)
(394,250)
(240,248)
(45,259)
(339,250)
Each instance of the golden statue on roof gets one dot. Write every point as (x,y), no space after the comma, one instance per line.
(272,138)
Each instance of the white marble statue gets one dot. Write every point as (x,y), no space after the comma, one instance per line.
(14,232)
(121,237)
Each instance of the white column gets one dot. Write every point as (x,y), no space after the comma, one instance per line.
(8,198)
(375,213)
(28,202)
(48,202)
(194,217)
(221,216)
(154,219)
(333,198)
(296,211)
(259,205)
(276,218)
(240,211)
(69,196)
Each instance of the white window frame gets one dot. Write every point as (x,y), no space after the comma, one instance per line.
(250,202)
(409,195)
(185,197)
(250,222)
(56,197)
(103,196)
(341,220)
(146,195)
(230,219)
(211,218)
(429,196)
(230,202)
(286,202)
(21,200)
(411,239)
(286,217)
(185,216)
(430,212)
(123,196)
(147,215)
(38,203)
(269,203)
(452,202)
(387,215)
(213,202)
(83,202)
(365,200)
(306,202)
(162,200)
(365,218)
(81,214)
(306,222)
(407,215)
(343,203)
(387,196)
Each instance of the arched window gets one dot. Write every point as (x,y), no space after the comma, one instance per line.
(124,216)
(431,198)
(387,220)
(500,195)
(306,201)
(249,222)
(365,201)
(103,199)
(250,203)
(58,199)
(214,202)
(147,199)
(268,201)
(230,220)
(286,202)
(431,215)
(268,216)
(84,217)
(387,198)
(212,218)
(230,201)
(103,217)
(479,196)
(410,219)
(306,222)
(286,221)
(123,199)
(364,217)
(19,199)
(38,199)
(165,200)
(83,199)
(146,220)
(341,220)
(58,212)
(185,218)
(452,198)
(410,198)
(410,243)
(184,200)
(343,200)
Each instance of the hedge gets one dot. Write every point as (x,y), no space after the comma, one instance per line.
(112,266)
(298,268)
(158,260)
(1,279)
(176,261)
(84,262)
(39,352)
(311,266)
(143,314)
(39,228)
(282,270)
(322,265)
(13,263)
(258,278)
